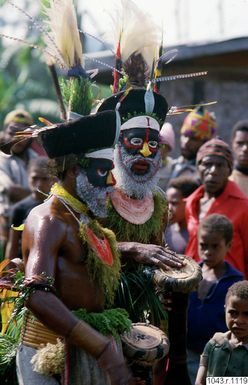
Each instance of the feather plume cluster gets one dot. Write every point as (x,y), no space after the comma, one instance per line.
(137,39)
(63,40)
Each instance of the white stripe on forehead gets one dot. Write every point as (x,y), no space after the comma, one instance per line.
(141,122)
(106,153)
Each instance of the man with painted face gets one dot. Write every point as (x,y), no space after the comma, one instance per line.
(137,212)
(218,195)
(138,209)
(72,264)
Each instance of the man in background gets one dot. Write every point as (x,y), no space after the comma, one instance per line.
(198,127)
(218,195)
(14,159)
(40,181)
(240,152)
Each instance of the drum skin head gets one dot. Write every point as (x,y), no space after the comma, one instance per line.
(184,279)
(141,339)
(145,344)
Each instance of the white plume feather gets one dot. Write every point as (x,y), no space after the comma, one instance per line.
(138,33)
(64,38)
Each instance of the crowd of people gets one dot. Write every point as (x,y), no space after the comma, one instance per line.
(106,238)
(206,220)
(208,205)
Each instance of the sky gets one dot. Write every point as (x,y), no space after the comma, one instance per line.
(183,21)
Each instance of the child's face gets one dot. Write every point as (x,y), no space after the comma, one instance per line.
(176,205)
(212,247)
(236,310)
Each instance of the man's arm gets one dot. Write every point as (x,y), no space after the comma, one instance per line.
(203,365)
(201,375)
(14,240)
(13,244)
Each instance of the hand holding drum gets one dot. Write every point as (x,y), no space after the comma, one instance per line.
(183,280)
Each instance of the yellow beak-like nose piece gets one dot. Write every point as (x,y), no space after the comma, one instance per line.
(145,150)
(110,179)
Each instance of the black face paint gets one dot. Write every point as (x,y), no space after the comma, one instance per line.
(134,139)
(98,171)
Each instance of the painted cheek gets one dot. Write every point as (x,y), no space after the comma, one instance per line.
(95,179)
(153,150)
(130,146)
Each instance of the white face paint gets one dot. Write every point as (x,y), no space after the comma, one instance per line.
(94,197)
(132,184)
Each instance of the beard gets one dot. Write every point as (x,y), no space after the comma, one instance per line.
(94,197)
(135,185)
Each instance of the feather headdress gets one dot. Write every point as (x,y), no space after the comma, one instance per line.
(63,41)
(63,38)
(63,47)
(138,42)
(136,39)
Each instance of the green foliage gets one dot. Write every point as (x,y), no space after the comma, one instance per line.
(77,95)
(84,162)
(112,322)
(136,294)
(24,79)
(106,275)
(134,114)
(8,348)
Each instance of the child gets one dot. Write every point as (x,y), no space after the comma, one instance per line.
(176,233)
(167,142)
(206,305)
(226,354)
(40,182)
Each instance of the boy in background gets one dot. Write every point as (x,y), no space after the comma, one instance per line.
(176,233)
(226,354)
(206,305)
(167,142)
(40,182)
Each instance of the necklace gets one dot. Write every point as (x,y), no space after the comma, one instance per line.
(99,244)
(103,259)
(59,191)
(135,211)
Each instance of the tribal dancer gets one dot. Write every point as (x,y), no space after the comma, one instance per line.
(72,264)
(137,208)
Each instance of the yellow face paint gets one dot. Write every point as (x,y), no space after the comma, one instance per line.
(145,150)
(110,179)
